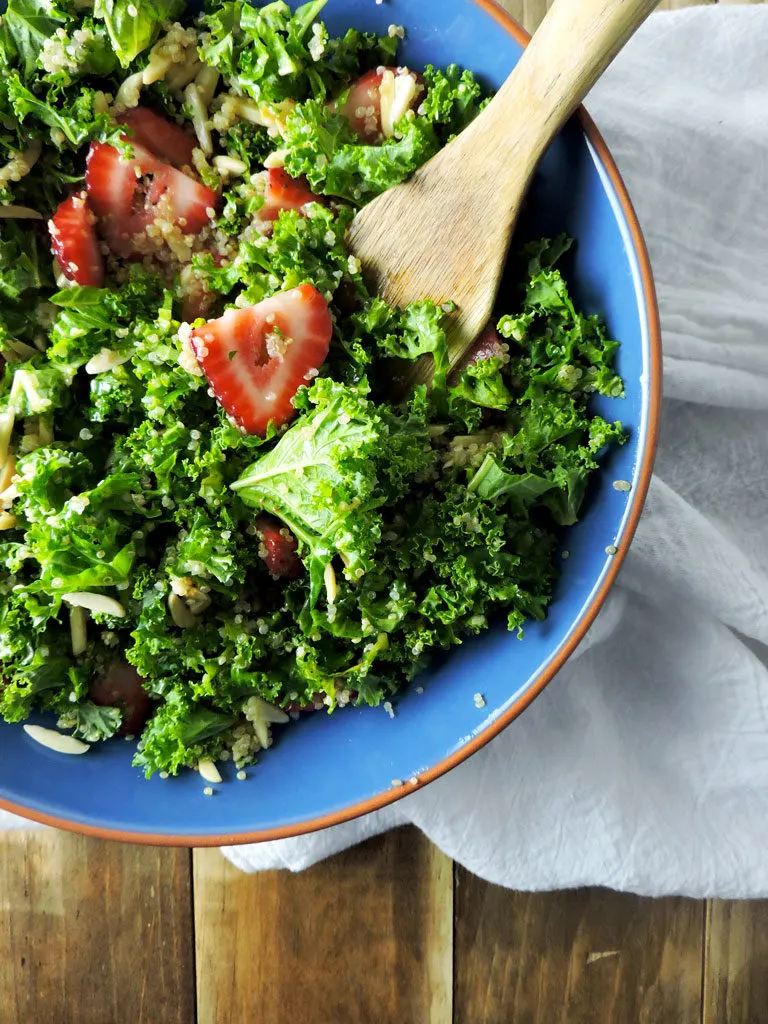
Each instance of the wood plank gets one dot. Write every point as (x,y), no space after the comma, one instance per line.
(587,956)
(93,931)
(365,936)
(736,963)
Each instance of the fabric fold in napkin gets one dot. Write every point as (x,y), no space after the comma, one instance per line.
(644,764)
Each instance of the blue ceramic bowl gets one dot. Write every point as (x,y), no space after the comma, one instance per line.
(325,769)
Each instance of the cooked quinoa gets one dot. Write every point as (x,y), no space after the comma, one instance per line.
(168,573)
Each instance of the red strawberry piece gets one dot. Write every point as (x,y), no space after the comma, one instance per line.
(376,101)
(113,184)
(279,548)
(191,203)
(120,686)
(125,194)
(282,192)
(362,107)
(488,345)
(161,137)
(74,242)
(257,358)
(112,181)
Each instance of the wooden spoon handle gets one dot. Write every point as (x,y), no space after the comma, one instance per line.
(574,44)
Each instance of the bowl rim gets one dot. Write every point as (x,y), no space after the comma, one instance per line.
(374,803)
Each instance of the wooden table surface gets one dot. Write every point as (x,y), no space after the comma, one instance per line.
(389,933)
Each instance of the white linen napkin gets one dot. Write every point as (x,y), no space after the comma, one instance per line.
(644,764)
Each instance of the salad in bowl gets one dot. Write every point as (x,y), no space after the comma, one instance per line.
(215,515)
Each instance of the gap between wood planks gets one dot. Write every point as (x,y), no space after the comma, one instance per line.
(93,932)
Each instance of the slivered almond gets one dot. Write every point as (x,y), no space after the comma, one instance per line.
(387,97)
(329,578)
(209,771)
(180,75)
(105,360)
(9,495)
(7,473)
(397,94)
(199,118)
(268,711)
(180,614)
(12,212)
(157,68)
(7,420)
(77,630)
(128,93)
(206,81)
(260,714)
(276,158)
(57,741)
(99,603)
(229,165)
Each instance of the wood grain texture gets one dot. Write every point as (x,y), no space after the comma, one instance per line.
(580,957)
(363,937)
(528,12)
(94,932)
(736,963)
(673,5)
(443,234)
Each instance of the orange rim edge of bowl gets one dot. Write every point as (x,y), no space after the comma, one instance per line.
(390,796)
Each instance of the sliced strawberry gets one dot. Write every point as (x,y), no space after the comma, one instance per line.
(192,204)
(279,548)
(112,181)
(257,358)
(488,345)
(282,192)
(121,686)
(160,136)
(127,194)
(112,184)
(74,242)
(362,107)
(378,99)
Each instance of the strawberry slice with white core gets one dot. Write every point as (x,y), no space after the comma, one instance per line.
(378,99)
(127,193)
(112,180)
(257,358)
(282,192)
(161,137)
(112,184)
(74,242)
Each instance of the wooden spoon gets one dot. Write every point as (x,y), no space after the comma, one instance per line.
(444,233)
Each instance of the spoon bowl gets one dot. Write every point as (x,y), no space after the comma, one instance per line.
(444,233)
